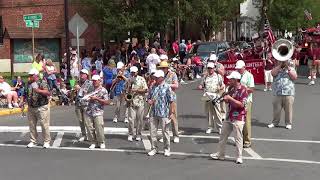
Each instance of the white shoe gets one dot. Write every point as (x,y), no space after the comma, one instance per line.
(271,125)
(92,146)
(270,89)
(138,138)
(311,83)
(220,131)
(309,77)
(167,152)
(102,146)
(126,120)
(31,145)
(161,140)
(209,131)
(130,138)
(216,156)
(152,152)
(176,139)
(82,138)
(10,106)
(314,77)
(182,81)
(239,161)
(46,145)
(115,119)
(289,126)
(16,105)
(198,77)
(265,90)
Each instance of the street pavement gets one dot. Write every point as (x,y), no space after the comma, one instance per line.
(276,153)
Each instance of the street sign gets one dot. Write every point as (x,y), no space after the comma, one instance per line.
(37,16)
(30,23)
(77,25)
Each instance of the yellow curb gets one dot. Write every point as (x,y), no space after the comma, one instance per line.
(4,112)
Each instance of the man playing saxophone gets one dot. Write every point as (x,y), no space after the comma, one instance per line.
(138,88)
(83,87)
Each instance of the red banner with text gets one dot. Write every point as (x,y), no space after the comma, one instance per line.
(256,67)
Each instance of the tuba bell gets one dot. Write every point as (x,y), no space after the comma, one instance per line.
(282,50)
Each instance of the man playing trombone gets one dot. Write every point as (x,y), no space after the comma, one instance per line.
(135,97)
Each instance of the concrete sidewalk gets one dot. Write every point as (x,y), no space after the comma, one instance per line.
(7,111)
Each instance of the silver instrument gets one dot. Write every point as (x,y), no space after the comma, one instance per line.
(282,50)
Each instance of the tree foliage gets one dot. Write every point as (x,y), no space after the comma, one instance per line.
(289,14)
(145,17)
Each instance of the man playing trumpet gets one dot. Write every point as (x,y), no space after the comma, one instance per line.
(138,88)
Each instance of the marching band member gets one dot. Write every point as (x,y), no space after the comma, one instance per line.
(84,87)
(236,117)
(94,113)
(248,81)
(136,109)
(161,99)
(212,83)
(118,88)
(38,108)
(219,69)
(283,91)
(172,80)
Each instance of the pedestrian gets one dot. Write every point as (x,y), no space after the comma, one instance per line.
(161,99)
(284,92)
(83,87)
(109,73)
(314,63)
(175,47)
(51,72)
(86,61)
(212,84)
(74,71)
(248,81)
(268,78)
(237,99)
(9,93)
(152,60)
(138,88)
(38,108)
(171,79)
(94,113)
(38,64)
(182,50)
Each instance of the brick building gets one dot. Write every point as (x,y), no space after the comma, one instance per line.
(15,37)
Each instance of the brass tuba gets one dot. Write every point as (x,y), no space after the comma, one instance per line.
(282,50)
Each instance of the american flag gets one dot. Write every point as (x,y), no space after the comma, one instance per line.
(308,15)
(268,32)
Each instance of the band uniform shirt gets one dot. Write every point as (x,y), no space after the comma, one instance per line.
(282,84)
(248,81)
(212,83)
(163,97)
(139,83)
(119,88)
(86,88)
(170,78)
(35,99)
(238,114)
(94,107)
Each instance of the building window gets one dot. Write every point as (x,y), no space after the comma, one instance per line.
(1,31)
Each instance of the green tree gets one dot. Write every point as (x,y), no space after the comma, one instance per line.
(289,14)
(210,14)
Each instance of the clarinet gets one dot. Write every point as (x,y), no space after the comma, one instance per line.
(219,99)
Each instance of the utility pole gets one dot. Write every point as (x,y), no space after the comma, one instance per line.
(178,21)
(66,27)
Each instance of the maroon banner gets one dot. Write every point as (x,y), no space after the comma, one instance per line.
(256,67)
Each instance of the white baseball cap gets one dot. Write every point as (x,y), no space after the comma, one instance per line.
(33,72)
(84,71)
(213,57)
(174,59)
(210,65)
(159,73)
(120,65)
(96,77)
(240,64)
(163,57)
(133,69)
(234,75)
